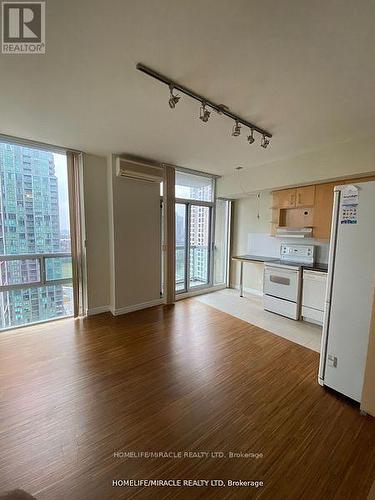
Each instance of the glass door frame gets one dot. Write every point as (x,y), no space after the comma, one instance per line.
(228,240)
(188,204)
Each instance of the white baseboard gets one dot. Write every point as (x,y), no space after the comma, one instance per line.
(137,307)
(253,291)
(98,310)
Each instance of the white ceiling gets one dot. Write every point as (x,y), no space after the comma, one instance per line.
(303,70)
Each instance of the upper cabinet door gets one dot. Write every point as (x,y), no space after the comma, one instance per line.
(323,210)
(286,198)
(305,196)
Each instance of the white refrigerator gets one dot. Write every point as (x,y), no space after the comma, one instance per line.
(350,290)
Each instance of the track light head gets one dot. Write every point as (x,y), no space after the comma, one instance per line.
(265,141)
(250,138)
(204,114)
(236,131)
(173,99)
(221,108)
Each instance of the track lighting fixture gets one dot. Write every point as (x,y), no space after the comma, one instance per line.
(265,141)
(236,131)
(250,138)
(173,100)
(204,114)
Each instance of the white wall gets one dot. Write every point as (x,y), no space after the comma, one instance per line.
(135,261)
(97,232)
(332,162)
(245,221)
(122,239)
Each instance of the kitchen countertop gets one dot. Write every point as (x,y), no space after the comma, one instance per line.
(254,258)
(259,258)
(323,268)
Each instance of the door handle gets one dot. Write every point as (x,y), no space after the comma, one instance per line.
(280,280)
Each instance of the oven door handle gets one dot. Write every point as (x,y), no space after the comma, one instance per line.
(279,279)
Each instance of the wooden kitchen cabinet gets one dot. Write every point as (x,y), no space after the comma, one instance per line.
(305,196)
(323,210)
(285,198)
(356,181)
(308,206)
(324,204)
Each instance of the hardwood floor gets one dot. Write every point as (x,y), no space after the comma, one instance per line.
(183,378)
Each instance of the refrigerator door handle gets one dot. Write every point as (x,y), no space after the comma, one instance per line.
(331,265)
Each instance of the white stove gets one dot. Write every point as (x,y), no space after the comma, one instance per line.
(283,279)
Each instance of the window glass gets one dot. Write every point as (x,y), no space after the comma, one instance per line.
(34,225)
(199,245)
(194,187)
(180,246)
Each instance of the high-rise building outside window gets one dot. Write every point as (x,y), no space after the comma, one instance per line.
(35,262)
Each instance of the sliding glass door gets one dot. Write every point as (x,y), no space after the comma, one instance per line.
(194,212)
(193,243)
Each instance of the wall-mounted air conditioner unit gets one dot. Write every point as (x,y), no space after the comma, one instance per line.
(138,171)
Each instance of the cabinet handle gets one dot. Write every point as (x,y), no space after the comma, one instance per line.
(299,198)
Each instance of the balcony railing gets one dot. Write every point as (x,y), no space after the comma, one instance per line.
(198,264)
(37,270)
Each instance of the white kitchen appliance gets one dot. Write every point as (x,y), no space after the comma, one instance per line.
(350,290)
(282,280)
(313,295)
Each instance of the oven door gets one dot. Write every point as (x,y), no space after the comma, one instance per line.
(282,283)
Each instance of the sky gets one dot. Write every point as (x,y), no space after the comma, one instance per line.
(62,176)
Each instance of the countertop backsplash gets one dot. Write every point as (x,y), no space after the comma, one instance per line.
(269,246)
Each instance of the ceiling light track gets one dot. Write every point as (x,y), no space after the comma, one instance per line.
(219,108)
